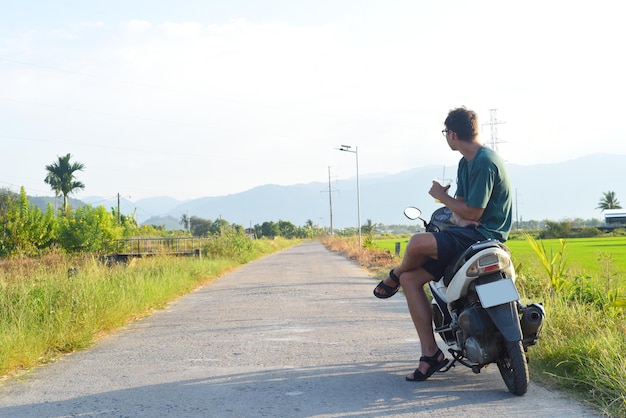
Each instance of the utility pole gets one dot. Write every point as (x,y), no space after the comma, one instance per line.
(330,201)
(347,148)
(493,124)
(119,217)
(518,218)
(516,209)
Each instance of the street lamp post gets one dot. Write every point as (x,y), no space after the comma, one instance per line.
(347,148)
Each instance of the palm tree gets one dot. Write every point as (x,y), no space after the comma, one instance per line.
(61,178)
(368,228)
(608,201)
(184,221)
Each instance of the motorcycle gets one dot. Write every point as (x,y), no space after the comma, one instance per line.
(477,310)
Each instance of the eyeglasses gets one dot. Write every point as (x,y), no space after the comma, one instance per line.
(445,132)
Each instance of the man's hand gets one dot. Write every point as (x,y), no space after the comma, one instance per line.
(438,191)
(463,222)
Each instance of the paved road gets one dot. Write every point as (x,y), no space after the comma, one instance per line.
(294,334)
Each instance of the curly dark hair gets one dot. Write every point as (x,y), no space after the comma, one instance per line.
(463,122)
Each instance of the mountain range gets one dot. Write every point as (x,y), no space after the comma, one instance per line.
(558,191)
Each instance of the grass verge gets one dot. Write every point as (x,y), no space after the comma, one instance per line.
(56,304)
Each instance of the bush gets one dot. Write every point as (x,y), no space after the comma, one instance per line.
(88,230)
(230,243)
(24,229)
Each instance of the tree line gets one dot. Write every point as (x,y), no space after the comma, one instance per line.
(27,230)
(200,227)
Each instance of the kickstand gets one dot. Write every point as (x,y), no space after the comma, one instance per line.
(456,358)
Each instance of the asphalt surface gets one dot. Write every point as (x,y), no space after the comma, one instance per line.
(294,334)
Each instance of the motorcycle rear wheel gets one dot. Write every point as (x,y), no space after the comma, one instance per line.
(514,368)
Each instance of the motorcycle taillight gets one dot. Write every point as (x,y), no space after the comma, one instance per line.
(487,264)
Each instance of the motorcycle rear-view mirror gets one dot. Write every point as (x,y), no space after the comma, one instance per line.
(412,213)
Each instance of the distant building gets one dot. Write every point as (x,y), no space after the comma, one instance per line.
(615,217)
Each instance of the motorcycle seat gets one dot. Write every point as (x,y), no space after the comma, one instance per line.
(458,261)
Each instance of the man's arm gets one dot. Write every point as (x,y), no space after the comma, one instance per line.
(463,213)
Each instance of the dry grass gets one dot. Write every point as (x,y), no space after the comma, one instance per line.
(377,262)
(19,269)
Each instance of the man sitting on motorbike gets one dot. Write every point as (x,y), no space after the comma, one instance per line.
(482,210)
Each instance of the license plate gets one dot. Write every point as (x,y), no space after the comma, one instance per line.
(497,293)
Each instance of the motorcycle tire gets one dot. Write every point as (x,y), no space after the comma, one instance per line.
(514,368)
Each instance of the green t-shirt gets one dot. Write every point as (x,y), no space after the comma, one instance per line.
(483,183)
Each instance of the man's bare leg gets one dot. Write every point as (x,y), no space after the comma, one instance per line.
(413,283)
(419,248)
(413,278)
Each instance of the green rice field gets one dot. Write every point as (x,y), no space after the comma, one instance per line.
(593,256)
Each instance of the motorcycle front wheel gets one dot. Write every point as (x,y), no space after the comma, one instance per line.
(514,369)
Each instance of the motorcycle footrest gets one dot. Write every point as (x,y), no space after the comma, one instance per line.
(444,328)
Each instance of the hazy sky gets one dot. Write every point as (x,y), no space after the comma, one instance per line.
(194,98)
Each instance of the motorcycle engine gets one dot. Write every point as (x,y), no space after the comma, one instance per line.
(477,336)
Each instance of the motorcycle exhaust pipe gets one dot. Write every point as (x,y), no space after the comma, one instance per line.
(532,320)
